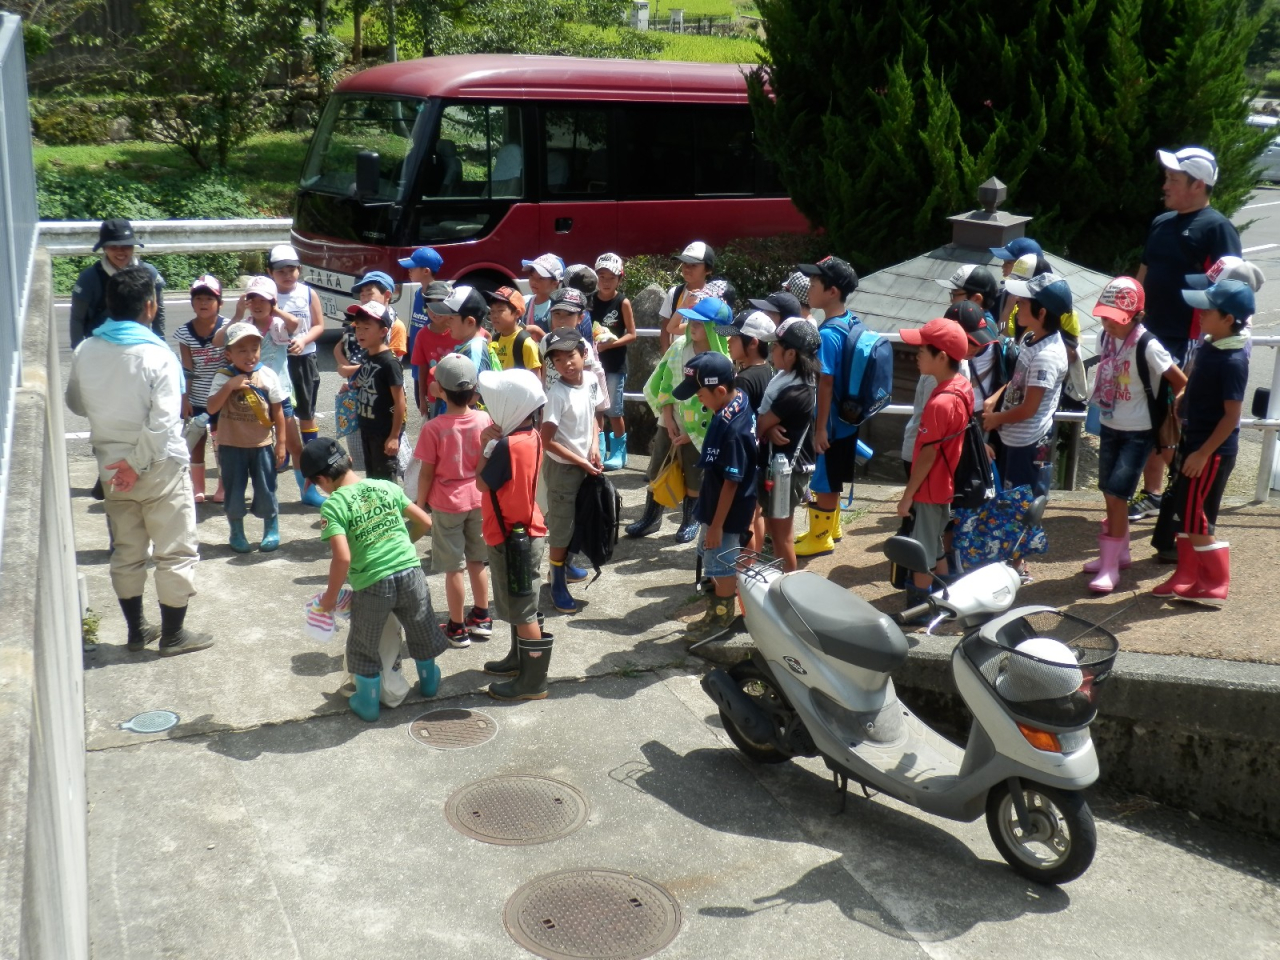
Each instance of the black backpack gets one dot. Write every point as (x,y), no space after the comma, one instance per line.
(974,480)
(517,349)
(595,521)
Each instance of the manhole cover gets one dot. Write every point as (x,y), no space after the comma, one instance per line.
(601,914)
(517,810)
(453,729)
(153,721)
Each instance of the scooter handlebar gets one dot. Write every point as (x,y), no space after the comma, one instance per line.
(912,612)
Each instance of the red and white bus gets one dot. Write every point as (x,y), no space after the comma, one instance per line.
(495,159)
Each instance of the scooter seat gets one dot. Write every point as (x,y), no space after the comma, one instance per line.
(844,625)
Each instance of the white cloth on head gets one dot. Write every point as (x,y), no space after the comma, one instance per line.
(511,396)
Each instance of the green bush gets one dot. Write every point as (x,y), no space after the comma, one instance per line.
(1271,82)
(66,122)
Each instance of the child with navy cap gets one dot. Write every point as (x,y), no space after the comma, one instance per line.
(422,264)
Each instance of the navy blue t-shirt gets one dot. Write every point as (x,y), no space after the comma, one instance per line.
(729,453)
(1179,244)
(1216,377)
(417,320)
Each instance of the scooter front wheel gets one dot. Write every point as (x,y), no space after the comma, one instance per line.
(1061,842)
(759,688)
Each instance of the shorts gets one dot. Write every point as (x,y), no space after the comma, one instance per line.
(562,482)
(1196,499)
(378,464)
(719,562)
(1030,466)
(929,522)
(304,374)
(405,595)
(456,540)
(286,407)
(1122,455)
(617,384)
(515,610)
(688,454)
(835,467)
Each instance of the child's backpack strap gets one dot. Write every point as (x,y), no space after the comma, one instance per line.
(517,347)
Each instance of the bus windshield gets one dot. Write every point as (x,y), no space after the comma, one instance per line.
(385,125)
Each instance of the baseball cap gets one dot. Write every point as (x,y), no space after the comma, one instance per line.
(1015,248)
(206,283)
(972,320)
(547,265)
(797,284)
(1050,289)
(1196,162)
(238,331)
(455,371)
(262,287)
(437,290)
(373,310)
(320,454)
(581,277)
(781,303)
(1228,268)
(464,301)
(374,276)
(611,262)
(708,310)
(425,257)
(566,338)
(509,295)
(799,334)
(1226,296)
(946,335)
(117,232)
(1026,266)
(709,369)
(283,255)
(698,252)
(1120,300)
(749,323)
(569,300)
(833,272)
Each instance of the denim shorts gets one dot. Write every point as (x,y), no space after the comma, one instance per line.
(1122,455)
(617,384)
(720,561)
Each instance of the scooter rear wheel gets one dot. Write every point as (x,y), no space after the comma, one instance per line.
(1063,838)
(756,685)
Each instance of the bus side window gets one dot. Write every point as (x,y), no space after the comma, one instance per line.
(576,150)
(478,152)
(657,150)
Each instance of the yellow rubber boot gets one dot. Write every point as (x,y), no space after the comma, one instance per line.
(818,542)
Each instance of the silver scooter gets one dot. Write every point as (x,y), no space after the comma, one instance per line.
(818,683)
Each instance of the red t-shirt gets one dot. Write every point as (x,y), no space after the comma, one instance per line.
(512,471)
(945,413)
(428,348)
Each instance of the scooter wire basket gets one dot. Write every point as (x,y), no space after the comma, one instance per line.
(1046,666)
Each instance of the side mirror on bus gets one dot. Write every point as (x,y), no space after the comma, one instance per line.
(366,174)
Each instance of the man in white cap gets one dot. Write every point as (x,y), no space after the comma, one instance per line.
(1189,238)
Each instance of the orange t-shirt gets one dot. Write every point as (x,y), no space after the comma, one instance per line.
(512,471)
(399,339)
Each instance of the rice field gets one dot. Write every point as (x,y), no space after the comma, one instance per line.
(702,49)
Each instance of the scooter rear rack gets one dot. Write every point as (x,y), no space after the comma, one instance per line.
(755,565)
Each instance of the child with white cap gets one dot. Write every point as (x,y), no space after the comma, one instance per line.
(697,260)
(611,312)
(201,358)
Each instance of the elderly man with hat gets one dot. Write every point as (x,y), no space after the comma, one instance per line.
(119,248)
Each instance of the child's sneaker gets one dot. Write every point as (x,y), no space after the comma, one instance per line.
(1143,505)
(480,627)
(458,634)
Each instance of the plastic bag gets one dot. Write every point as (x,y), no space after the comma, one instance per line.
(346,413)
(668,486)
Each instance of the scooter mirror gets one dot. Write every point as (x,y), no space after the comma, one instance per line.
(1035,512)
(908,554)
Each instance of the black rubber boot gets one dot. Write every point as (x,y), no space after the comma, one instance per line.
(174,637)
(509,665)
(531,684)
(650,521)
(688,522)
(141,633)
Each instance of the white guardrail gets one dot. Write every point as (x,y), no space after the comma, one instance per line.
(77,237)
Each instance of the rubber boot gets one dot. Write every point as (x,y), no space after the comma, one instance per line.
(428,677)
(650,521)
(688,531)
(574,574)
(531,682)
(238,542)
(312,496)
(175,638)
(509,665)
(617,453)
(366,702)
(1109,551)
(197,481)
(818,541)
(1094,565)
(1213,576)
(606,441)
(141,633)
(560,597)
(1185,574)
(719,620)
(270,535)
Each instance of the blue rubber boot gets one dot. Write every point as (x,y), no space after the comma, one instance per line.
(312,495)
(270,535)
(560,597)
(238,542)
(428,677)
(617,453)
(365,702)
(606,441)
(574,574)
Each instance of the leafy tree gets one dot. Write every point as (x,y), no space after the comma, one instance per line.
(1065,100)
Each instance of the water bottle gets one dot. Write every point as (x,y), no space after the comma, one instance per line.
(780,487)
(194,430)
(519,562)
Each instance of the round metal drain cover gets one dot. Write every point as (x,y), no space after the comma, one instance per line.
(601,914)
(453,729)
(517,811)
(153,721)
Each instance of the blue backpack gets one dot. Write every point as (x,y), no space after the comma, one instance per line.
(865,384)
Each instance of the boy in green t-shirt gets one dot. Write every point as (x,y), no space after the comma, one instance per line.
(364,522)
